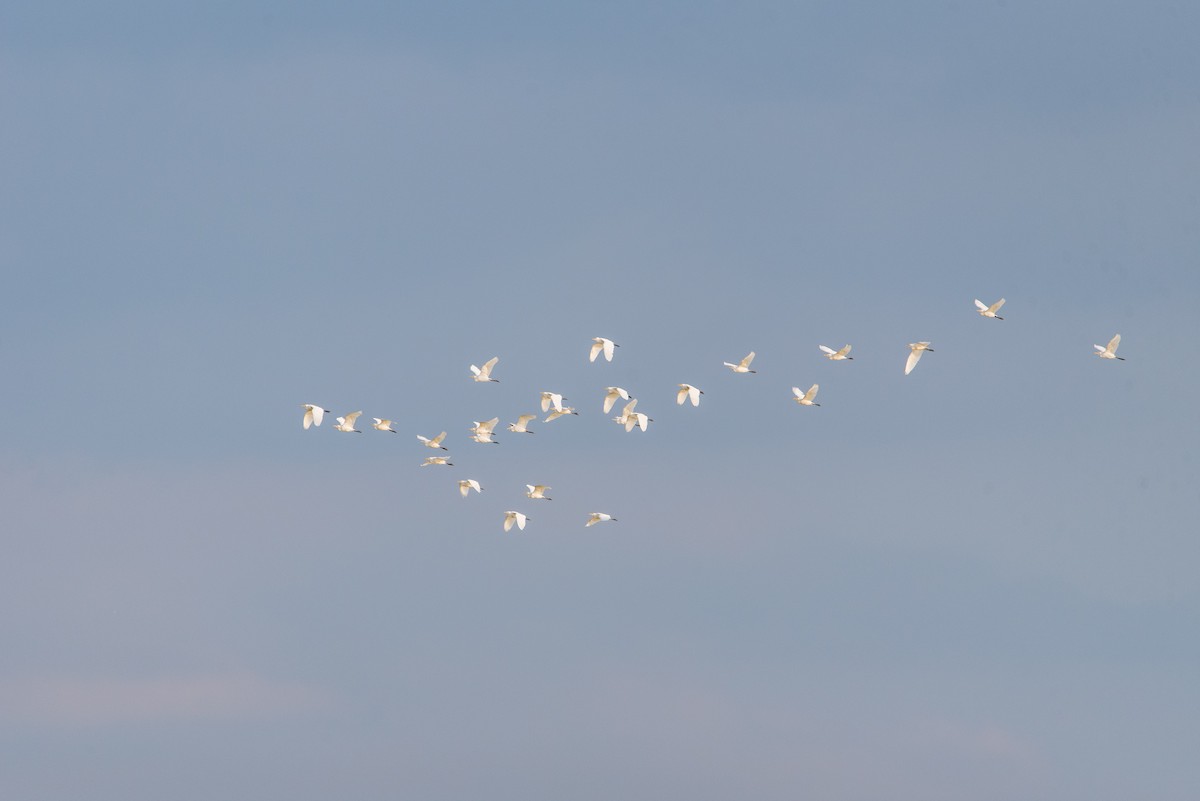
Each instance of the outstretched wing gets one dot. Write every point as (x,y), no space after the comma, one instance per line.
(979,304)
(1113,343)
(597,346)
(913,358)
(827,349)
(995,307)
(749,358)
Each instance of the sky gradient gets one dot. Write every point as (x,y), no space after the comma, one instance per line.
(974,581)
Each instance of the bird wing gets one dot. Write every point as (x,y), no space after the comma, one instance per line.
(827,349)
(437,440)
(608,349)
(796,391)
(308,418)
(749,358)
(694,395)
(557,400)
(487,426)
(488,365)
(474,370)
(464,487)
(630,422)
(995,307)
(524,420)
(350,418)
(913,358)
(609,399)
(1113,343)
(682,394)
(509,519)
(812,392)
(545,401)
(979,304)
(597,346)
(592,520)
(642,420)
(844,351)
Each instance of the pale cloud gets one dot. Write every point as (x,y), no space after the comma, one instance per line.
(65,701)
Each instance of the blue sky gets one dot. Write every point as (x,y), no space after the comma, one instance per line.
(973,581)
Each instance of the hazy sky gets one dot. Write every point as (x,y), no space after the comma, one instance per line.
(977,581)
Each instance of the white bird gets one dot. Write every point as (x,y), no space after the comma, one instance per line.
(436,461)
(557,413)
(744,365)
(514,517)
(602,344)
(626,413)
(638,419)
(484,437)
(486,427)
(611,397)
(485,373)
(1110,352)
(520,427)
(467,484)
(806,398)
(537,492)
(688,392)
(836,355)
(552,399)
(436,442)
(989,311)
(598,517)
(313,415)
(917,349)
(382,425)
(347,423)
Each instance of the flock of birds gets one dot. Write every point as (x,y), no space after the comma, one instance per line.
(630,418)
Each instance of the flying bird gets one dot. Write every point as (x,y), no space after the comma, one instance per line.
(514,517)
(989,311)
(917,349)
(602,344)
(520,427)
(611,397)
(836,355)
(467,484)
(484,373)
(436,442)
(552,399)
(382,425)
(639,420)
(1110,352)
(557,413)
(485,427)
(806,398)
(744,365)
(626,413)
(313,415)
(599,517)
(537,492)
(347,423)
(436,461)
(688,392)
